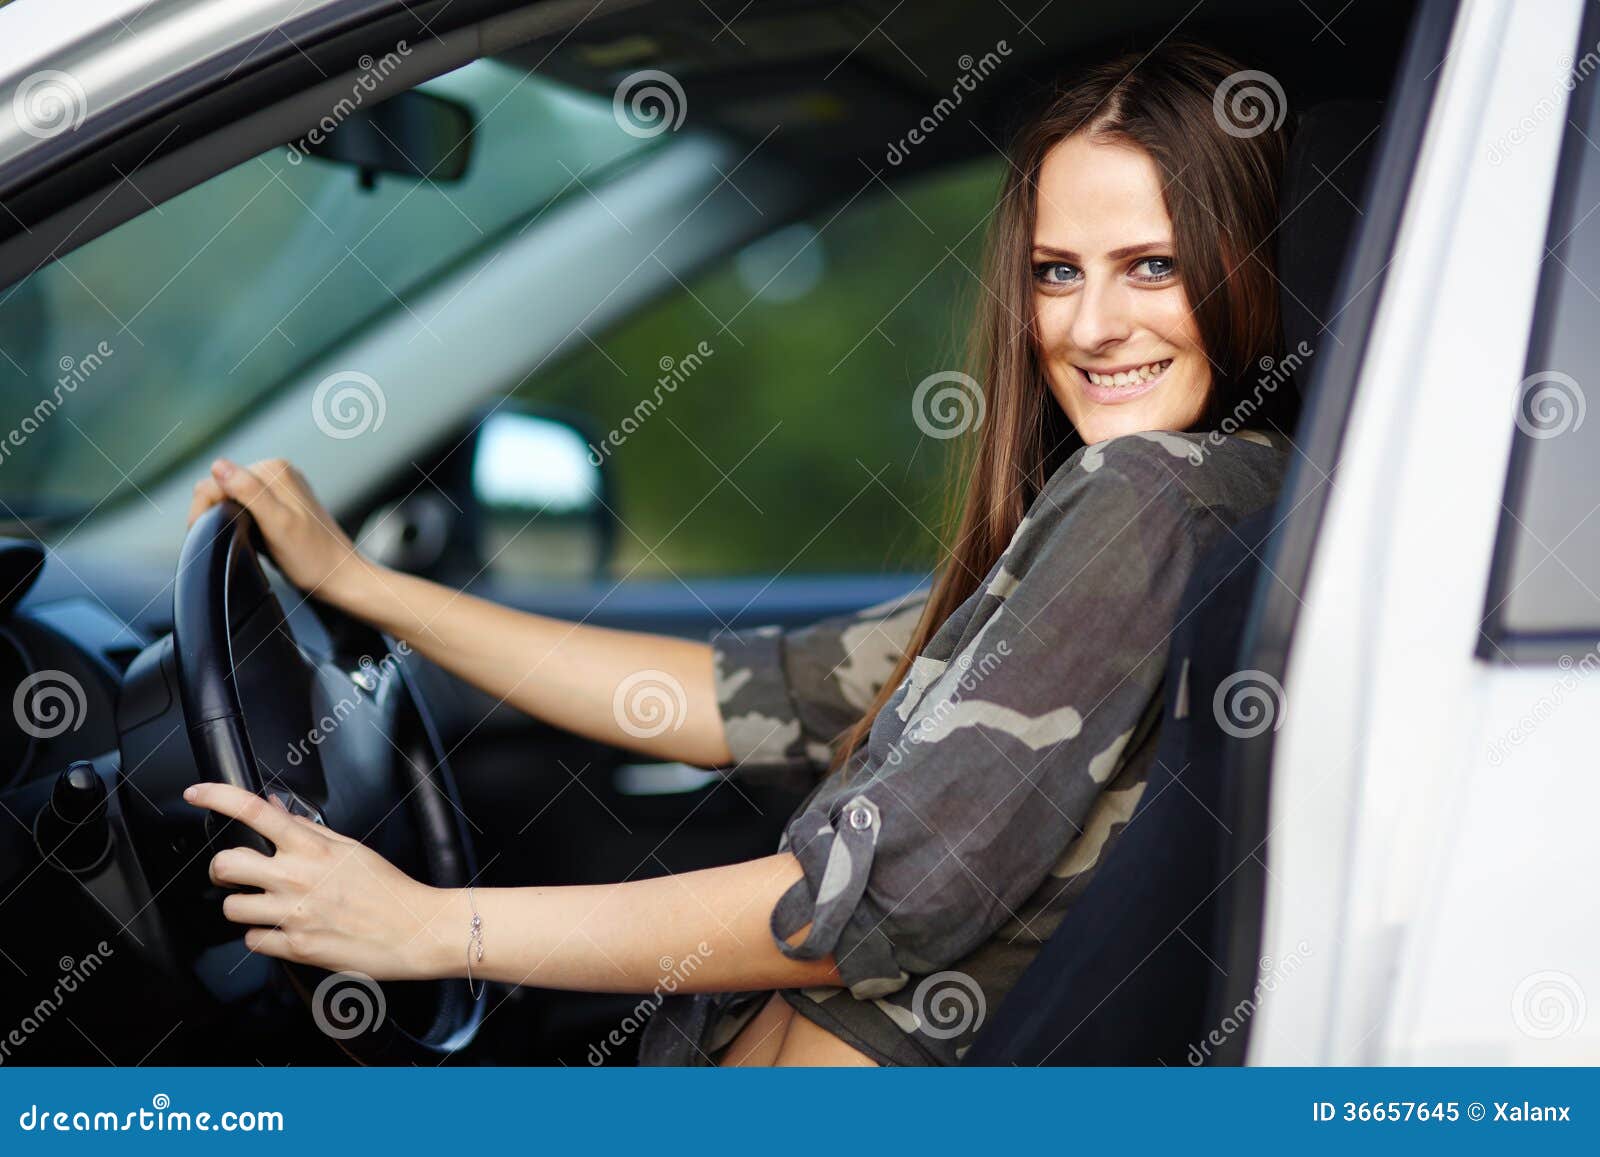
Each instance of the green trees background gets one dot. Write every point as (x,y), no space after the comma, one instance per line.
(792,447)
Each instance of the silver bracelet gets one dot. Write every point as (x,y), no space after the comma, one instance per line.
(474,938)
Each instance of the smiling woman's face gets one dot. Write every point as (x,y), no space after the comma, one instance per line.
(1115,334)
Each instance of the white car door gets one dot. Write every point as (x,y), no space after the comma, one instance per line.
(1432,808)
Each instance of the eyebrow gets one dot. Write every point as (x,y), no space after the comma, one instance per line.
(1114,255)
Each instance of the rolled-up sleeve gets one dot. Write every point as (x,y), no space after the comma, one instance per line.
(982,769)
(785,696)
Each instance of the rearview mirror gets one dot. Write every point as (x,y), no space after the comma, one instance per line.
(412,134)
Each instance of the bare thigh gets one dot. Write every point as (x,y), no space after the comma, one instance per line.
(776,1036)
(808,1043)
(760,1041)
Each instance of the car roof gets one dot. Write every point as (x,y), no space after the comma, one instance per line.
(829,80)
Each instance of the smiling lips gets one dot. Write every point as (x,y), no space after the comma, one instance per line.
(1122,385)
(1128,377)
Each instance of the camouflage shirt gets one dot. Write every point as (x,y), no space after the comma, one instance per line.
(945,852)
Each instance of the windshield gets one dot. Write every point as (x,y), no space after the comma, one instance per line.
(134,352)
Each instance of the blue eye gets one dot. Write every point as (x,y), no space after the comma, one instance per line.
(1159,268)
(1055,273)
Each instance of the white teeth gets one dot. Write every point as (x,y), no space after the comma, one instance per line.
(1129,377)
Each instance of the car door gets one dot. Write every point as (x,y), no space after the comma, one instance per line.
(1423,833)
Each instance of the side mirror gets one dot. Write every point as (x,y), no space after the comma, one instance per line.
(520,498)
(541,501)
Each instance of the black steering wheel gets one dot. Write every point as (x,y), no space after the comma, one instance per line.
(320,710)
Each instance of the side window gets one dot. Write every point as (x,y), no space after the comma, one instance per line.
(760,420)
(1544,594)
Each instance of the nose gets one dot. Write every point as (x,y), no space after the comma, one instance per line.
(1102,318)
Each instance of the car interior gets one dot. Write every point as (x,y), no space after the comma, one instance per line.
(793,109)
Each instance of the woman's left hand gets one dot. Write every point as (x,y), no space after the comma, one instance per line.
(326,899)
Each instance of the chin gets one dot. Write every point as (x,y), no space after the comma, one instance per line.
(1102,427)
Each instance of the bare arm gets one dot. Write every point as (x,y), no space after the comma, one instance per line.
(592,681)
(708,930)
(329,900)
(617,687)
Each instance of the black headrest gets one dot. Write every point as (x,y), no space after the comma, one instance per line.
(1324,181)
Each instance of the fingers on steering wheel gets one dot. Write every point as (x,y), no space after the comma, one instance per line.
(249,809)
(310,824)
(247,487)
(253,908)
(287,484)
(269,942)
(206,495)
(243,867)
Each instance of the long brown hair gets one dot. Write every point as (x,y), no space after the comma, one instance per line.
(1220,170)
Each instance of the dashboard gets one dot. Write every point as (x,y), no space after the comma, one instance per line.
(63,651)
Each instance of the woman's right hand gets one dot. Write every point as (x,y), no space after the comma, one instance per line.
(305,541)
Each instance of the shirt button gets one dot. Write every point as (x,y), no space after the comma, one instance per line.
(860,818)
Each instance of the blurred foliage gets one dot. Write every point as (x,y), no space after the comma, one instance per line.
(791,448)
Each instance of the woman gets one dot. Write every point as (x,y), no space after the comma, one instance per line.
(976,747)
